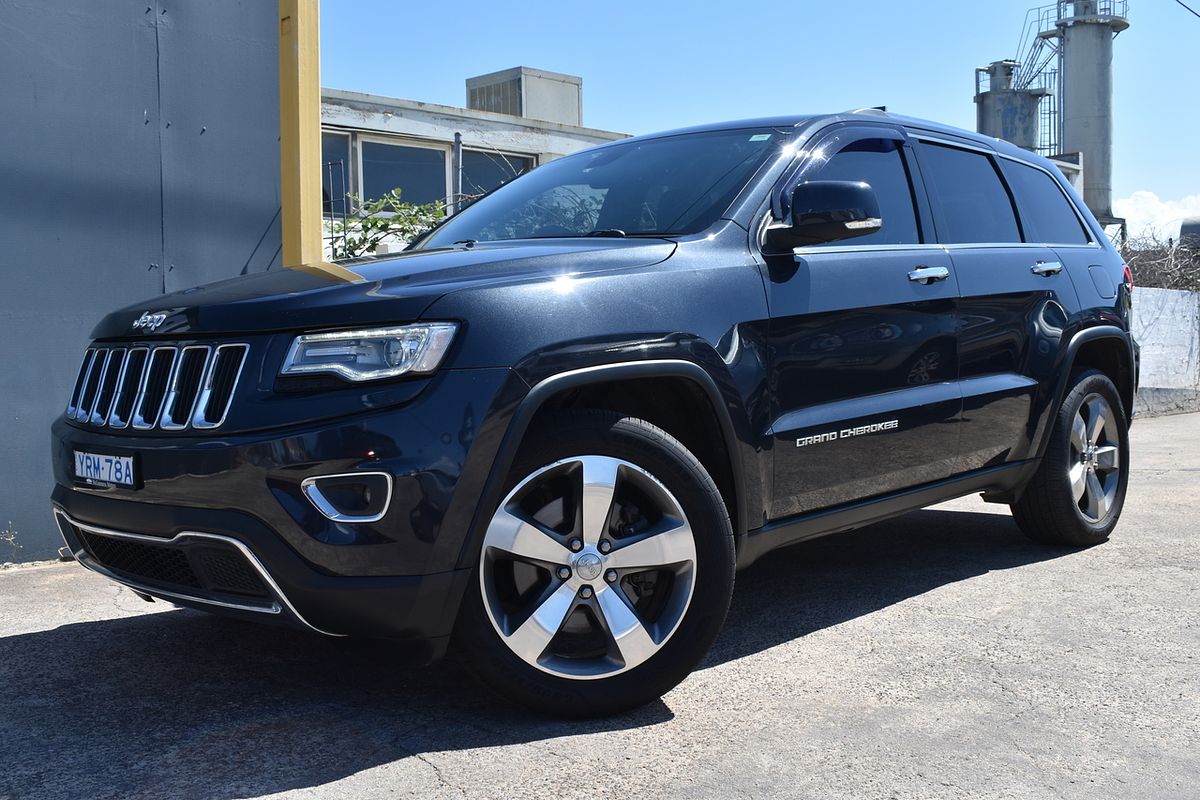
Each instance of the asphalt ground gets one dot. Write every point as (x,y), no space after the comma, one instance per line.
(935,655)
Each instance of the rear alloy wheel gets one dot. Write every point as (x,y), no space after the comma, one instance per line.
(605,572)
(1095,462)
(1075,497)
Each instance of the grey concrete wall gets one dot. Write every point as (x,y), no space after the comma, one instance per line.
(1166,324)
(139,153)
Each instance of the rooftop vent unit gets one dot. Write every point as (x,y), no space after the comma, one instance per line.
(527,92)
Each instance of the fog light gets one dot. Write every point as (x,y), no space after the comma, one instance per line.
(351,496)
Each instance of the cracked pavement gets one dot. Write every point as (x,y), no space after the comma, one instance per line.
(935,655)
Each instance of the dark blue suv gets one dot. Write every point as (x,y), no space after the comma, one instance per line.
(551,430)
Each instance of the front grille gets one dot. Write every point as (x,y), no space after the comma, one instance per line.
(202,570)
(166,387)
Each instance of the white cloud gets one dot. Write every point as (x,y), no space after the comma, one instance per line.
(1146,213)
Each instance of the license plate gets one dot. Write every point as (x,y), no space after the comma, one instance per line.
(103,469)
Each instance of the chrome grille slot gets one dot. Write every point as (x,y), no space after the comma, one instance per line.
(80,380)
(184,388)
(111,373)
(91,385)
(216,395)
(127,387)
(171,387)
(153,389)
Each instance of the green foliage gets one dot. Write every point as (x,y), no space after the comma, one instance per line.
(388,217)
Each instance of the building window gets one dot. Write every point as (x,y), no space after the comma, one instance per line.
(483,171)
(418,172)
(335,173)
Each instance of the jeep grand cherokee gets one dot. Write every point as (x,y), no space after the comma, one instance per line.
(551,430)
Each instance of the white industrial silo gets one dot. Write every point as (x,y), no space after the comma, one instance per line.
(1086,29)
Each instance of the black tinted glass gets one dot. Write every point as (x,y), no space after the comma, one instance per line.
(335,172)
(483,171)
(668,186)
(418,172)
(878,162)
(1046,214)
(974,203)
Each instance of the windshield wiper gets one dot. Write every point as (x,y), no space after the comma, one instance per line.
(614,233)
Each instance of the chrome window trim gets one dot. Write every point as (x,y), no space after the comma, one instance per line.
(167,419)
(137,421)
(819,249)
(202,397)
(309,488)
(281,600)
(114,421)
(963,145)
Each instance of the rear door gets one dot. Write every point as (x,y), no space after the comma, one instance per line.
(863,357)
(1015,301)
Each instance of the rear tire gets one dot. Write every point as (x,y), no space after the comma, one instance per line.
(605,573)
(1075,497)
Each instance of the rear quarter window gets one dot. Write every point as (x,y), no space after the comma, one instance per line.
(975,205)
(1046,214)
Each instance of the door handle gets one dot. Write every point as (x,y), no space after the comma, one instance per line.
(927,275)
(1046,268)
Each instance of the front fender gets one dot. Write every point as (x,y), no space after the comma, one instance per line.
(721,393)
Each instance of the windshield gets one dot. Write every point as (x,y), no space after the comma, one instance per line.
(663,187)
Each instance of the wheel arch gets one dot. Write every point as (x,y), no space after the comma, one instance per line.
(573,388)
(1103,347)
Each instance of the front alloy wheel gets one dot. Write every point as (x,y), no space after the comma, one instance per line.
(588,567)
(604,574)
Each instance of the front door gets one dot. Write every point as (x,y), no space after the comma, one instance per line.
(863,351)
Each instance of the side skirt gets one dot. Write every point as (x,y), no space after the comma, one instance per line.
(1002,478)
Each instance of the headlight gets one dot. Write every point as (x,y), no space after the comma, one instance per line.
(369,355)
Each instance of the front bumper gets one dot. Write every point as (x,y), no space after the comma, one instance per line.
(256,575)
(235,499)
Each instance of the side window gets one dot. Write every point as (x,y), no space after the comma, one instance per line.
(878,162)
(1046,214)
(974,203)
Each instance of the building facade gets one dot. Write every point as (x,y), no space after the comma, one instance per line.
(434,153)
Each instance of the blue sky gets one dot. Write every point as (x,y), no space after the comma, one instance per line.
(653,65)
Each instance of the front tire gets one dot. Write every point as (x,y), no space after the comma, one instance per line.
(1075,497)
(606,572)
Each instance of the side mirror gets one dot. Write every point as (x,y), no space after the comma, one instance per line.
(828,211)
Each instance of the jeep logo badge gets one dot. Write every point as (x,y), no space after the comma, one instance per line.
(148,322)
(589,566)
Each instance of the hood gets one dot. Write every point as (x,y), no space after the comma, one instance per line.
(394,289)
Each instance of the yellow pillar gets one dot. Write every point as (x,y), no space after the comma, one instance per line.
(300,138)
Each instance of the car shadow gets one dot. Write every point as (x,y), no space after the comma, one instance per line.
(823,582)
(185,705)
